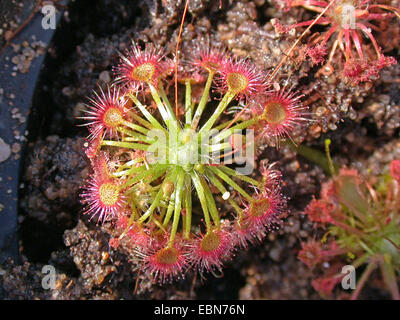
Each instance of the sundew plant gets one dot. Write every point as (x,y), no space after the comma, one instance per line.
(172,145)
(348,44)
(361,219)
(173,177)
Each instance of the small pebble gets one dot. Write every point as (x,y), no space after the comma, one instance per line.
(16,147)
(5,150)
(105,77)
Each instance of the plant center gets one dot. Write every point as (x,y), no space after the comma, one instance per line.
(237,82)
(210,242)
(108,193)
(259,207)
(112,117)
(345,14)
(167,256)
(144,72)
(274,113)
(212,66)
